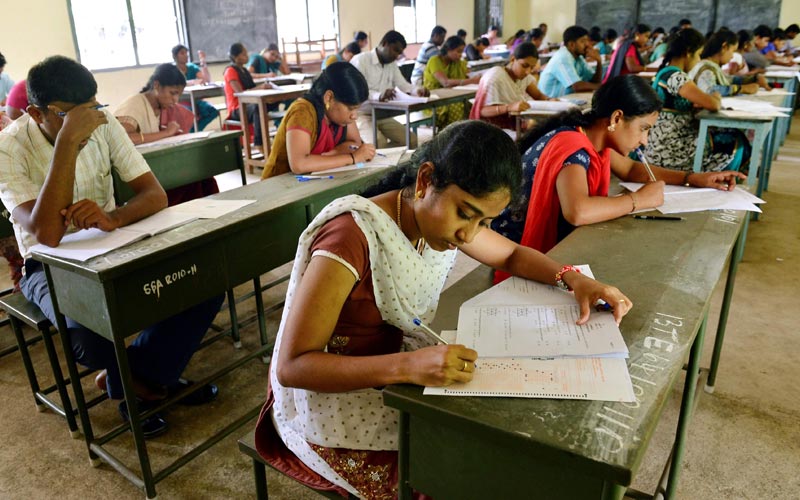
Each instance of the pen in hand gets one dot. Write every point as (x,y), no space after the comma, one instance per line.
(430,332)
(641,156)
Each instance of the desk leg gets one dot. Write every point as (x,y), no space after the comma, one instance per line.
(519,125)
(403,456)
(408,129)
(262,321)
(433,122)
(733,266)
(375,129)
(194,111)
(237,340)
(701,145)
(687,403)
(264,119)
(759,163)
(248,153)
(772,152)
(612,491)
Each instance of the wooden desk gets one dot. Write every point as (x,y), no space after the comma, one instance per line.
(484,64)
(537,448)
(180,164)
(262,98)
(118,294)
(446,96)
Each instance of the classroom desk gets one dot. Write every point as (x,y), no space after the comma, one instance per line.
(262,98)
(191,161)
(539,113)
(118,294)
(484,64)
(446,96)
(195,92)
(787,77)
(515,448)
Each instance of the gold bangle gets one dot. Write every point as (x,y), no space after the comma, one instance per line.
(141,138)
(633,200)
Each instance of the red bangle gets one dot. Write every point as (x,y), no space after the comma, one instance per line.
(560,274)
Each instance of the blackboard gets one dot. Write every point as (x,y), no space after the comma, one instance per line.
(618,15)
(747,14)
(214,25)
(666,14)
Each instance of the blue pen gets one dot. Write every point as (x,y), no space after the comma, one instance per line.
(304,178)
(430,332)
(99,106)
(602,305)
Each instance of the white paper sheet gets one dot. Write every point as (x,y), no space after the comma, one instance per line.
(756,107)
(400,96)
(175,139)
(603,379)
(773,92)
(210,208)
(390,157)
(471,86)
(555,106)
(87,243)
(161,222)
(681,199)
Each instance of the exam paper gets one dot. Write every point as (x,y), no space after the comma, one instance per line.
(680,199)
(175,139)
(400,96)
(603,379)
(390,158)
(554,106)
(87,243)
(210,208)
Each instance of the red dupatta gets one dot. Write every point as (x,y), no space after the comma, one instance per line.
(326,140)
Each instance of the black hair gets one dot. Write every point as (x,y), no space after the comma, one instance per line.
(535,33)
(273,46)
(481,41)
(359,35)
(708,34)
(236,49)
(518,34)
(778,34)
(658,30)
(744,37)
(684,21)
(611,34)
(472,154)
(762,30)
(792,28)
(715,42)
(451,43)
(642,28)
(630,94)
(461,33)
(177,49)
(542,24)
(595,36)
(392,37)
(573,33)
(595,29)
(438,30)
(166,75)
(347,84)
(352,47)
(60,78)
(685,41)
(2,60)
(493,27)
(674,30)
(526,49)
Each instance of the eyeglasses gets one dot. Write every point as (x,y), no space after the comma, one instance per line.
(64,113)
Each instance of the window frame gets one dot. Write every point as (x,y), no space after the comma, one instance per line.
(336,28)
(413,5)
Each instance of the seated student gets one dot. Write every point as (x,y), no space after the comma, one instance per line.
(791,32)
(195,75)
(605,47)
(238,79)
(673,139)
(657,37)
(426,51)
(568,161)
(344,55)
(154,114)
(536,37)
(367,266)
(446,70)
(516,39)
(382,78)
(54,178)
(567,71)
(17,101)
(661,48)
(462,34)
(5,81)
(708,75)
(474,51)
(491,35)
(267,64)
(755,59)
(319,130)
(507,89)
(684,24)
(774,49)
(628,58)
(362,39)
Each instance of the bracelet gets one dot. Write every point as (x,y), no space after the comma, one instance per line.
(633,200)
(686,179)
(353,158)
(560,277)
(141,138)
(497,109)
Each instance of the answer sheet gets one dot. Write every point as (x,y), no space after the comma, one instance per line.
(681,199)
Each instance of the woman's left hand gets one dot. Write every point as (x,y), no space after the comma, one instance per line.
(724,181)
(588,292)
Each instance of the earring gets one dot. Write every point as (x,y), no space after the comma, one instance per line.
(419,195)
(327,106)
(612,127)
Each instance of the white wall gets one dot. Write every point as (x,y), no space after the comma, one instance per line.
(790,13)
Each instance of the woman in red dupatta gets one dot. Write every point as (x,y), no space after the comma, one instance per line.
(319,130)
(568,161)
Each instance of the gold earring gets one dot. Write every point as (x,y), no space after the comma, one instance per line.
(419,195)
(612,127)
(327,105)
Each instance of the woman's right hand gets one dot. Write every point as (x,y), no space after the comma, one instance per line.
(365,152)
(518,107)
(172,128)
(651,195)
(442,365)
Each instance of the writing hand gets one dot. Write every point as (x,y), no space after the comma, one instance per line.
(387,95)
(442,365)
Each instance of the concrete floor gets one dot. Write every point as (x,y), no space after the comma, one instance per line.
(745,438)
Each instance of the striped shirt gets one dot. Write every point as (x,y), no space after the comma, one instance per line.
(25,155)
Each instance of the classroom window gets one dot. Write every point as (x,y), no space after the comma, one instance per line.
(415,19)
(122,33)
(306,20)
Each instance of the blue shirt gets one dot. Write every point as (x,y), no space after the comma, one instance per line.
(192,70)
(562,72)
(261,65)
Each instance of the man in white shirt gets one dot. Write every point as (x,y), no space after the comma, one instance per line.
(55,178)
(383,75)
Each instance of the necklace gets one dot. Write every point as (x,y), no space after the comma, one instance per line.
(421,241)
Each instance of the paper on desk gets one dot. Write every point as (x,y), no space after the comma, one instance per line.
(175,139)
(471,86)
(391,157)
(759,107)
(161,221)
(400,96)
(555,106)
(210,208)
(520,291)
(680,199)
(600,379)
(87,243)
(766,93)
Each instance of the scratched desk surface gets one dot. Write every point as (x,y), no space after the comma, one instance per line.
(668,270)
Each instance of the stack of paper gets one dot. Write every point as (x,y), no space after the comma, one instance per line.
(386,157)
(755,107)
(679,199)
(554,106)
(530,346)
(175,139)
(400,96)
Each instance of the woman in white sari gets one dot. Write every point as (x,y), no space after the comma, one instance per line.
(364,269)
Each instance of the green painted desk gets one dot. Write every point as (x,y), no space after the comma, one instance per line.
(118,294)
(470,448)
